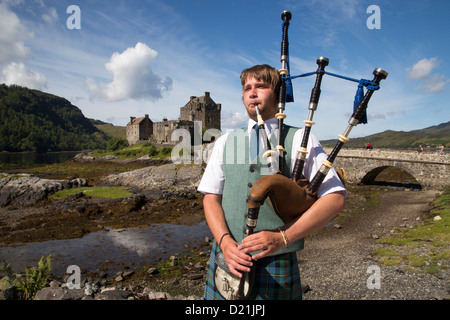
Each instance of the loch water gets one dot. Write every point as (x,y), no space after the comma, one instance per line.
(111,250)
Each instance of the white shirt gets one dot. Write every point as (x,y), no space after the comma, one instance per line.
(213,178)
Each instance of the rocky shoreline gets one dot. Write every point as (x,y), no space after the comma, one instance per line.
(26,189)
(163,193)
(323,266)
(160,194)
(124,285)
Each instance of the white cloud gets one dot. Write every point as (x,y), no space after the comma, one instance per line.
(422,71)
(133,77)
(12,37)
(51,16)
(133,241)
(434,83)
(13,51)
(18,73)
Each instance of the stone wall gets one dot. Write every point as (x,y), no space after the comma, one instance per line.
(162,131)
(429,169)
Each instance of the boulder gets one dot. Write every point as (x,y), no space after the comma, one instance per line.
(28,189)
(160,177)
(114,295)
(50,294)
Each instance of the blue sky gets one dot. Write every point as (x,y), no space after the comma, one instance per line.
(132,58)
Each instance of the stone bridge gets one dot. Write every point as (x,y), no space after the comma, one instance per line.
(430,169)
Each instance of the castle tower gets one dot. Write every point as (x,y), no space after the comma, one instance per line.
(202,109)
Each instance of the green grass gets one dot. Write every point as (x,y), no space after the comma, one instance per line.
(386,252)
(138,150)
(102,192)
(423,248)
(113,131)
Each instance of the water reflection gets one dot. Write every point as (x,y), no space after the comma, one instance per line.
(21,160)
(112,249)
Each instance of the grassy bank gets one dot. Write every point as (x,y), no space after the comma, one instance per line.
(424,248)
(137,150)
(102,192)
(93,171)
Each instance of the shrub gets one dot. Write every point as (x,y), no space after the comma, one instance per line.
(116,144)
(166,150)
(152,151)
(35,278)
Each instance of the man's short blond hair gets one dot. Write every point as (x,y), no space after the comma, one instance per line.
(264,73)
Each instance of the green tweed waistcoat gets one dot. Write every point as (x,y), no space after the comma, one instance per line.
(240,174)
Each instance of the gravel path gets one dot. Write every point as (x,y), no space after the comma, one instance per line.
(338,263)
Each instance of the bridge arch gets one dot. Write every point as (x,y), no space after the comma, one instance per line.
(391,176)
(430,170)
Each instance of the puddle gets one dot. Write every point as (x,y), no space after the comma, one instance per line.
(114,248)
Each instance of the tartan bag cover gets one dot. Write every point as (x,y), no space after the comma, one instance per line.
(276,278)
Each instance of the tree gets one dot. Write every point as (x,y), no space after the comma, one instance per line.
(116,144)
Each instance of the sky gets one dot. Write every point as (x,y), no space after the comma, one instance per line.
(115,59)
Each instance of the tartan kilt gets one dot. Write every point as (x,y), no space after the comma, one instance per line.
(276,278)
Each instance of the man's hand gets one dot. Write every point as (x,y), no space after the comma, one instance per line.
(238,260)
(268,242)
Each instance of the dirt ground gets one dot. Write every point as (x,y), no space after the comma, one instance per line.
(338,263)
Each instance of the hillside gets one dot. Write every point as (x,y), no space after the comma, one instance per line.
(433,137)
(112,130)
(31,120)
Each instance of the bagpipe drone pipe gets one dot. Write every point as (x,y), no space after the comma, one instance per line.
(291,196)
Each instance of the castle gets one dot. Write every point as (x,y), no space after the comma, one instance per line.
(202,109)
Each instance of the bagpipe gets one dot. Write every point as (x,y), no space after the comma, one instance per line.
(291,196)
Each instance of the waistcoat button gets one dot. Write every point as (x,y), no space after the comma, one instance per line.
(249,185)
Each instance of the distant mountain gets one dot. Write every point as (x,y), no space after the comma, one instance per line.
(31,120)
(433,137)
(443,128)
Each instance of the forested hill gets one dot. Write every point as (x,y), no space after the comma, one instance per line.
(433,137)
(31,120)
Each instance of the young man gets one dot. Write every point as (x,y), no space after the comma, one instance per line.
(226,184)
